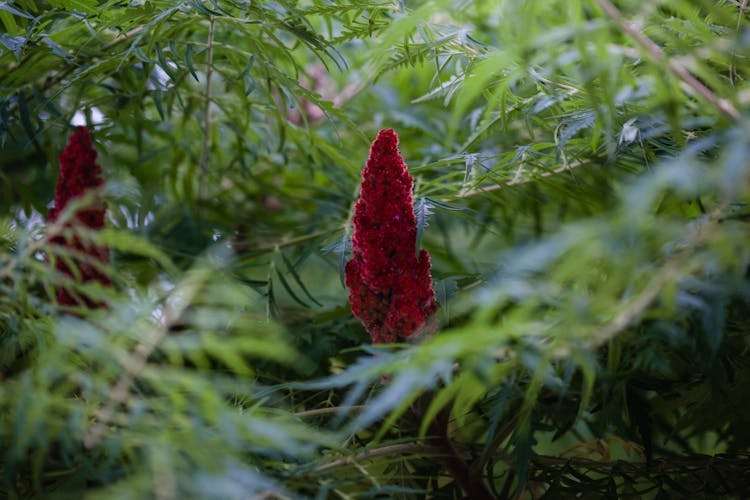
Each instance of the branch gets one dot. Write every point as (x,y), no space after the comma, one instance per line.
(207,110)
(326,411)
(494,187)
(383,451)
(657,54)
(287,242)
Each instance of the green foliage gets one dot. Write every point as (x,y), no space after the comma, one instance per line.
(582,180)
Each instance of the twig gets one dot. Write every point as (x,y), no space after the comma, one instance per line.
(122,38)
(291,241)
(517,181)
(207,109)
(383,451)
(657,54)
(326,411)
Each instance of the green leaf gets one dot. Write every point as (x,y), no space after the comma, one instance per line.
(9,22)
(7,8)
(202,9)
(13,43)
(56,49)
(163,16)
(127,242)
(189,60)
(157,101)
(163,63)
(88,7)
(291,269)
(23,109)
(289,290)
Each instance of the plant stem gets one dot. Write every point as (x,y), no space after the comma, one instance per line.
(383,451)
(326,411)
(471,483)
(207,111)
(523,180)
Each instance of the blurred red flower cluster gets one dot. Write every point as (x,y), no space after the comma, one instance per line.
(79,173)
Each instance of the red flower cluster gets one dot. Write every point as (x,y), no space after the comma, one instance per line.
(390,289)
(79,172)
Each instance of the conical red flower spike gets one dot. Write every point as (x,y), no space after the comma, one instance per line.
(390,289)
(79,172)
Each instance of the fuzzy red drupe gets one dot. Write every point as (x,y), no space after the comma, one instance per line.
(390,288)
